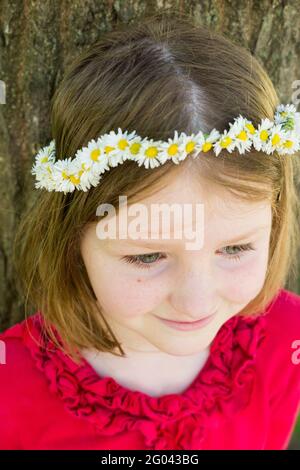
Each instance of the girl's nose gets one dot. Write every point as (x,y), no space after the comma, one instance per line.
(193,294)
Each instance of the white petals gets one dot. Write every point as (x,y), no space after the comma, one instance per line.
(114,148)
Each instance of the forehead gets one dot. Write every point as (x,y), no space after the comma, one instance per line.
(184,206)
(218,203)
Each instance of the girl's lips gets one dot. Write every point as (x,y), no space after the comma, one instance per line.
(184,326)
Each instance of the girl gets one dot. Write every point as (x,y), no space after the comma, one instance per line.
(144,343)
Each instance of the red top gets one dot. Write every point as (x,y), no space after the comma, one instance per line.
(247,396)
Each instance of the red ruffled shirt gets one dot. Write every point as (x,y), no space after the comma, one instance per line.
(247,395)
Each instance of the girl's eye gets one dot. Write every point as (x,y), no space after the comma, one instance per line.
(236,256)
(148,260)
(144,261)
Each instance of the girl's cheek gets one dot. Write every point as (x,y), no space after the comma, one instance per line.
(244,279)
(133,296)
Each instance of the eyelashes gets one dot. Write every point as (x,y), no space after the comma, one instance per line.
(139,260)
(240,249)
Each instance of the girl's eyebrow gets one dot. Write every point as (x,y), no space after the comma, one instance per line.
(151,243)
(244,236)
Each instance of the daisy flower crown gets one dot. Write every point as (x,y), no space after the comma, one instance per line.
(112,149)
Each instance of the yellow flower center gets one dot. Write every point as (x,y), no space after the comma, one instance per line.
(74,179)
(225,142)
(173,149)
(250,128)
(242,135)
(288,144)
(190,146)
(95,155)
(275,139)
(44,160)
(151,152)
(108,149)
(83,169)
(264,135)
(206,146)
(134,148)
(122,144)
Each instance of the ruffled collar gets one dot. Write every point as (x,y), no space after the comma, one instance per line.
(173,421)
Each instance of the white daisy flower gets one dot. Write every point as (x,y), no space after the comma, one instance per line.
(149,153)
(276,138)
(65,175)
(285,115)
(174,149)
(242,131)
(134,148)
(282,111)
(193,142)
(45,155)
(204,141)
(93,157)
(39,169)
(262,134)
(51,148)
(226,141)
(88,173)
(87,180)
(290,144)
(116,146)
(44,177)
(42,169)
(43,185)
(213,136)
(125,142)
(288,108)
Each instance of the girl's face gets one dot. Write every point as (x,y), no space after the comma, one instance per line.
(175,283)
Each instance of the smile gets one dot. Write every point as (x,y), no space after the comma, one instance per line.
(186,326)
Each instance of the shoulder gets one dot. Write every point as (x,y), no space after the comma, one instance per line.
(21,384)
(279,357)
(14,351)
(18,344)
(283,319)
(17,369)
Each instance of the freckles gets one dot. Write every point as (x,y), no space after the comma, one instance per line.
(246,283)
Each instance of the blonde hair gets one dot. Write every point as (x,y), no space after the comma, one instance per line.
(153,76)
